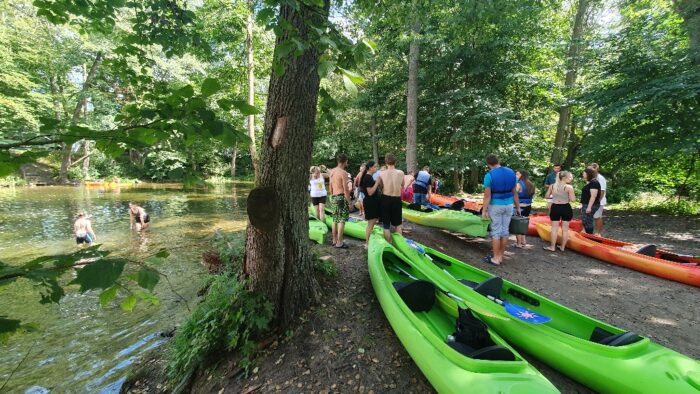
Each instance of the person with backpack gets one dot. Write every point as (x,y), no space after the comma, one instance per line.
(526,191)
(500,195)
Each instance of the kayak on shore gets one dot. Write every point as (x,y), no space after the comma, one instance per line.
(447,219)
(317,230)
(603,357)
(469,204)
(541,217)
(650,260)
(454,349)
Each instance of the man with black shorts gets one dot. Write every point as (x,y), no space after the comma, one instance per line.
(82,228)
(392,183)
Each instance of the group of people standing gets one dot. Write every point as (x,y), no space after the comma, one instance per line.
(560,196)
(378,190)
(85,235)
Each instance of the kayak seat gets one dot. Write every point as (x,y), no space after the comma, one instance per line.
(457,205)
(490,287)
(648,250)
(468,283)
(494,352)
(606,338)
(418,295)
(419,208)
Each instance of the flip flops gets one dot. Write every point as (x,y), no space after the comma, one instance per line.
(343,246)
(488,260)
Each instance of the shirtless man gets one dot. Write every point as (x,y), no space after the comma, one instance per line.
(138,215)
(82,228)
(390,204)
(340,197)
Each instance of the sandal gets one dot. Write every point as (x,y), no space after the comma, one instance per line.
(343,246)
(561,249)
(548,249)
(488,260)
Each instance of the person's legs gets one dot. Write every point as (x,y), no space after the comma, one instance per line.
(554,233)
(334,232)
(341,228)
(321,212)
(368,230)
(565,235)
(387,235)
(598,216)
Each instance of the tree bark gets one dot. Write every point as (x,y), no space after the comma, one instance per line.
(277,262)
(234,155)
(251,87)
(458,179)
(375,140)
(689,10)
(573,146)
(412,101)
(67,148)
(572,64)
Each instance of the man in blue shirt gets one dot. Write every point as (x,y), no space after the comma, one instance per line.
(500,194)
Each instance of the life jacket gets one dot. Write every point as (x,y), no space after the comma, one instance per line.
(423,179)
(502,183)
(522,195)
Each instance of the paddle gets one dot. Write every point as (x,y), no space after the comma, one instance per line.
(514,310)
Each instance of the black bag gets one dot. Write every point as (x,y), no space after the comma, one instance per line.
(519,225)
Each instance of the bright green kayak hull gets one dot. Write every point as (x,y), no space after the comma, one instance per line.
(424,334)
(317,230)
(563,343)
(447,219)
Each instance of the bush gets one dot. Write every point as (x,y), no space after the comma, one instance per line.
(657,203)
(231,248)
(326,267)
(12,181)
(229,318)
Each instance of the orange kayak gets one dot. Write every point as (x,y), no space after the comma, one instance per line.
(439,199)
(661,263)
(542,217)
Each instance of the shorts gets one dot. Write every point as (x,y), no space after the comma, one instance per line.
(561,212)
(420,198)
(318,200)
(145,219)
(371,204)
(500,220)
(525,210)
(341,211)
(390,211)
(599,213)
(85,239)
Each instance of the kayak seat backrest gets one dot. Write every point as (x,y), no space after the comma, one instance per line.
(468,283)
(494,352)
(490,287)
(457,205)
(418,295)
(607,338)
(648,250)
(418,207)
(472,339)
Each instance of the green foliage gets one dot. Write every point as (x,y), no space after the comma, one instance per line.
(229,318)
(231,248)
(656,203)
(12,181)
(326,267)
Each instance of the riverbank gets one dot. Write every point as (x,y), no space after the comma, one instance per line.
(346,344)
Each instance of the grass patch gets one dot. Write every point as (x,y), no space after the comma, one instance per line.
(657,203)
(325,266)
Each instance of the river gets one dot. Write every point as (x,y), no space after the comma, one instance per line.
(80,347)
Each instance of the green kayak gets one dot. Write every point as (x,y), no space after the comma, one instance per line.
(447,219)
(317,230)
(605,358)
(455,350)
(354,228)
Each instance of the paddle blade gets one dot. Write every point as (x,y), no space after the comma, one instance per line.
(525,314)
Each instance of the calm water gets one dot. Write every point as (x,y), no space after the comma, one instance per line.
(81,347)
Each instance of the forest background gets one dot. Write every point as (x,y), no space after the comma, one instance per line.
(535,81)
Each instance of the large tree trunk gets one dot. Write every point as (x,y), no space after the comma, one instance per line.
(277,261)
(689,10)
(66,153)
(375,139)
(86,161)
(573,145)
(412,102)
(251,87)
(572,63)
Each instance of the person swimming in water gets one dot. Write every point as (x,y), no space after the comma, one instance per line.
(138,218)
(82,228)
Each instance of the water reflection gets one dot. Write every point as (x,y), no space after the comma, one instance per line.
(81,347)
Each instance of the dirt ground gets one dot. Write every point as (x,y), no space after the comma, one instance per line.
(346,344)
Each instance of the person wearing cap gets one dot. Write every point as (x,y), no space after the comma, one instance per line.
(82,228)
